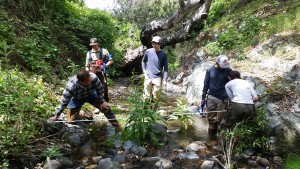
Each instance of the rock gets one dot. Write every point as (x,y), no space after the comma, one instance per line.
(52,164)
(188,156)
(163,164)
(127,145)
(197,146)
(207,164)
(263,161)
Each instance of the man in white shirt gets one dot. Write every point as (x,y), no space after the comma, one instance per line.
(242,97)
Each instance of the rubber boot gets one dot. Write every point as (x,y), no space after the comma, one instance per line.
(212,134)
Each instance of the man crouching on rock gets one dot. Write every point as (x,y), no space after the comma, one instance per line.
(81,88)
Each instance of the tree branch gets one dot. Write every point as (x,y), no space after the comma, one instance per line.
(165,24)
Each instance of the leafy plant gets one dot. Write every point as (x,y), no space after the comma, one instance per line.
(292,161)
(51,152)
(143,116)
(24,102)
(228,141)
(249,133)
(180,113)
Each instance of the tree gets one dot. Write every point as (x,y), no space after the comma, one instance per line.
(188,14)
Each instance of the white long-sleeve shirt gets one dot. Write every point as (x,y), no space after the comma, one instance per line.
(240,91)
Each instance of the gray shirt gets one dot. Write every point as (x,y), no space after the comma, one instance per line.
(240,91)
(155,62)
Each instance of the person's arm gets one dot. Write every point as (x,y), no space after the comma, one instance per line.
(166,70)
(66,97)
(253,93)
(228,88)
(144,65)
(87,60)
(110,61)
(206,85)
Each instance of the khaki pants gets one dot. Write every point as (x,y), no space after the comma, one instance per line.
(151,87)
(214,118)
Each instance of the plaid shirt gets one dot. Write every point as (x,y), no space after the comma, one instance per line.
(76,91)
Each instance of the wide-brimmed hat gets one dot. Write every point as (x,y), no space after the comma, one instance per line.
(223,61)
(94,41)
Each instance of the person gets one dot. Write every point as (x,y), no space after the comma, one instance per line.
(214,93)
(242,97)
(104,58)
(155,69)
(84,87)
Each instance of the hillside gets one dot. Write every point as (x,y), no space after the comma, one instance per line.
(41,44)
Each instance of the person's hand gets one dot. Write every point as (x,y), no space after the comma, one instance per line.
(103,66)
(145,72)
(104,106)
(165,83)
(54,118)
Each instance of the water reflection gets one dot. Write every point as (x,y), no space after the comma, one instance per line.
(195,132)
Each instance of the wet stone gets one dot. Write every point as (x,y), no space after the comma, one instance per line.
(188,156)
(207,164)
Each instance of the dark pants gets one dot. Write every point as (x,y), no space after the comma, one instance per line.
(237,112)
(103,79)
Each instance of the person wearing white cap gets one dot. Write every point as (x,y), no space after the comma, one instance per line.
(214,93)
(155,68)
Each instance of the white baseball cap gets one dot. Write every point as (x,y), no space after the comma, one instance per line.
(156,39)
(223,61)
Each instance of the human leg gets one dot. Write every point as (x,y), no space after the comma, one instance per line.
(103,81)
(108,114)
(105,88)
(156,87)
(147,88)
(214,118)
(74,109)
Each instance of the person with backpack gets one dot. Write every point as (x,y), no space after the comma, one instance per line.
(97,61)
(214,93)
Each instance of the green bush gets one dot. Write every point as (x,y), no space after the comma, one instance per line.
(139,126)
(249,133)
(292,161)
(24,104)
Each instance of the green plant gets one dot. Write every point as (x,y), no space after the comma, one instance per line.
(24,103)
(249,133)
(143,116)
(292,161)
(180,113)
(51,152)
(228,141)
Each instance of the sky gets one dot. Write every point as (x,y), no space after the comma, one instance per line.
(101,4)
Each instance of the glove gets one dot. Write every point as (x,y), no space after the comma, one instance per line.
(164,83)
(103,66)
(202,106)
